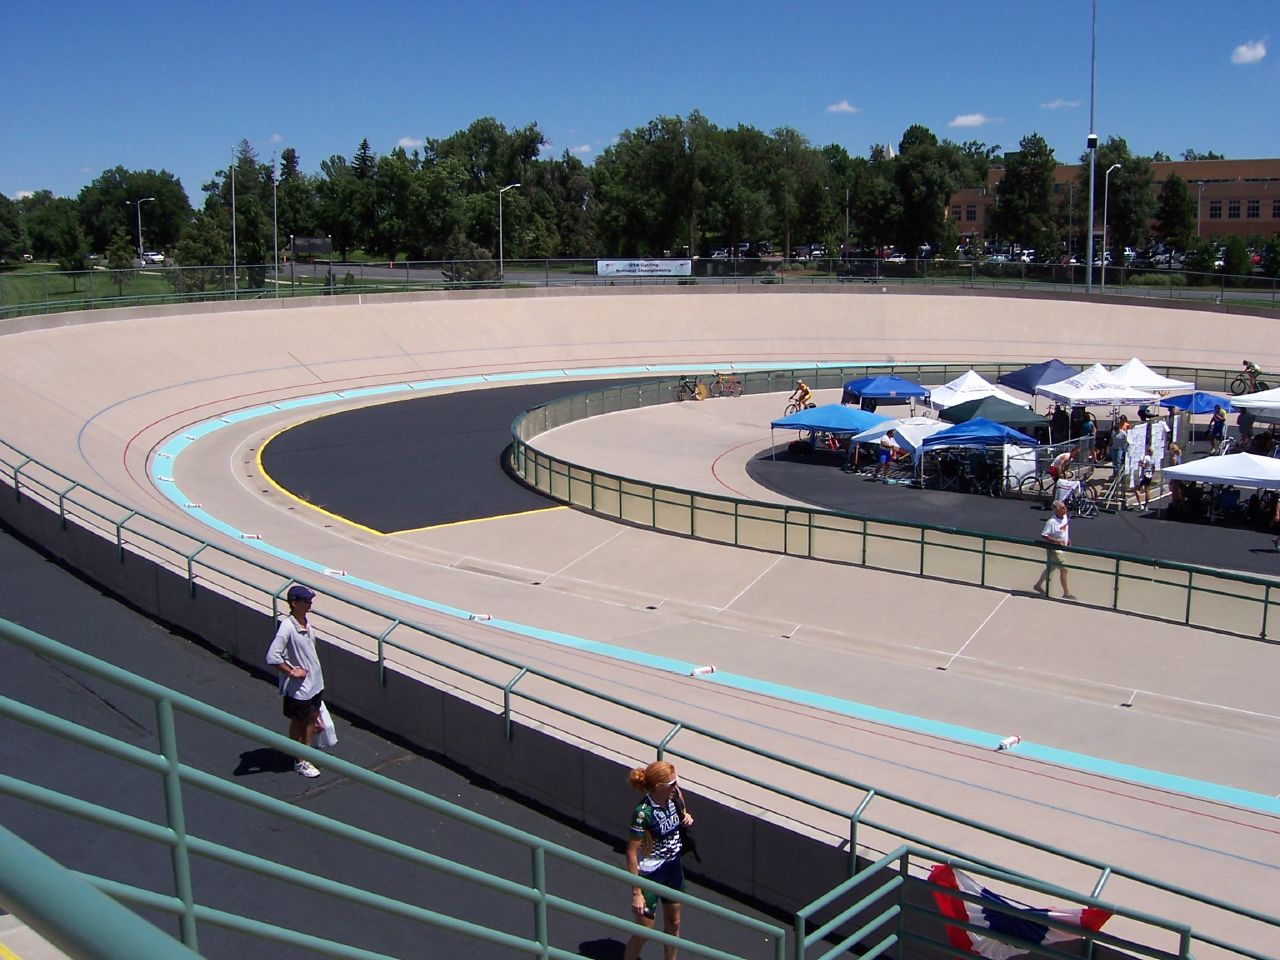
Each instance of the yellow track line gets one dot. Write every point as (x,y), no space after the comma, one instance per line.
(463,523)
(7,954)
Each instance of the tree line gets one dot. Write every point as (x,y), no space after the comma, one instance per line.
(677,186)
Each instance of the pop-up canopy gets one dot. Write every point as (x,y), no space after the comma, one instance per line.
(970,385)
(977,433)
(830,418)
(1095,386)
(1236,469)
(1028,378)
(889,388)
(1137,374)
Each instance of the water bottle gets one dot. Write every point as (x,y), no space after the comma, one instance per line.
(1008,743)
(702,671)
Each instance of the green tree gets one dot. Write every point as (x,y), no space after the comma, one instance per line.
(1201,254)
(1024,211)
(297,210)
(204,244)
(1175,219)
(1236,261)
(338,204)
(120,259)
(1191,154)
(925,176)
(1129,203)
(1271,257)
(10,230)
(107,207)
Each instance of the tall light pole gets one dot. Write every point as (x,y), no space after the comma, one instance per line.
(509,186)
(1106,195)
(137,204)
(1199,197)
(275,229)
(1092,144)
(235,267)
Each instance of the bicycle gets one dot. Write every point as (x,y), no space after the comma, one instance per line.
(727,385)
(688,390)
(1083,501)
(1038,485)
(795,406)
(1246,384)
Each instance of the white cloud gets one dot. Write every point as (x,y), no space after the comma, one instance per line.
(972,120)
(277,138)
(581,148)
(1059,104)
(408,142)
(1250,52)
(844,106)
(23,194)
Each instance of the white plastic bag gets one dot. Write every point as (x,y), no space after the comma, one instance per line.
(328,735)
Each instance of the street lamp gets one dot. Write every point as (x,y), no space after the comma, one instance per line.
(137,204)
(509,186)
(1199,197)
(1092,143)
(1106,195)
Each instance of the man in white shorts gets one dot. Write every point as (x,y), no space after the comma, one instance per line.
(1057,534)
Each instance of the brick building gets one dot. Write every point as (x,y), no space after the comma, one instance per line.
(1234,198)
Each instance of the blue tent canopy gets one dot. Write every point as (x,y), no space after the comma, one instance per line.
(889,387)
(1028,378)
(831,418)
(1197,402)
(977,432)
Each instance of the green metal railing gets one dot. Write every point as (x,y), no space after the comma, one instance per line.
(885,914)
(1183,593)
(206,566)
(46,911)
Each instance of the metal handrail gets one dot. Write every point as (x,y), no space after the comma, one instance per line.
(172,834)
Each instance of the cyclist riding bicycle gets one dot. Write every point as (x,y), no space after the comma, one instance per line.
(1251,371)
(802,395)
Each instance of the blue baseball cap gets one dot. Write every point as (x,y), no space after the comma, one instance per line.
(299,592)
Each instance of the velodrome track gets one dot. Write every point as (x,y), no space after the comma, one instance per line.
(97,396)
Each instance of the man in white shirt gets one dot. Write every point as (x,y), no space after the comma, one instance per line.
(292,655)
(1057,534)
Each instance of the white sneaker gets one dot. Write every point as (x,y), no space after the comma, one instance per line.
(306,768)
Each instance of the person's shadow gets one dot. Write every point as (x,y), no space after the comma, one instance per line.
(263,760)
(604,949)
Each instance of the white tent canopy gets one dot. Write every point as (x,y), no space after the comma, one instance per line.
(1094,386)
(909,431)
(1138,375)
(1236,469)
(1268,400)
(968,386)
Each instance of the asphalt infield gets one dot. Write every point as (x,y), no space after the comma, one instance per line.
(1145,533)
(411,464)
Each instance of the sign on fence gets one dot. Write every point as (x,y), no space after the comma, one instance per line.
(644,268)
(310,246)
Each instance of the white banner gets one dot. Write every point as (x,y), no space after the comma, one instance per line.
(644,268)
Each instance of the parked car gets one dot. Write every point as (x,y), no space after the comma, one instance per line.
(817,251)
(152,257)
(801,251)
(896,257)
(764,247)
(720,254)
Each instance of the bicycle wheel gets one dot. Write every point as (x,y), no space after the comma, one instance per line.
(681,392)
(1263,385)
(717,388)
(791,408)
(1034,485)
(1238,386)
(734,388)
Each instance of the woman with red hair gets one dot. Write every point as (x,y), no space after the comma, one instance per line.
(653,850)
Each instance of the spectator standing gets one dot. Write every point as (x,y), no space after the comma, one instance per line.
(888,450)
(654,848)
(292,655)
(1217,428)
(1057,534)
(1146,474)
(1244,423)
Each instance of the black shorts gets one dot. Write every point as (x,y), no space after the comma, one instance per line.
(303,709)
(669,874)
(1144,483)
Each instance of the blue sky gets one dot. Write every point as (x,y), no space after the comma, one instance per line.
(174,86)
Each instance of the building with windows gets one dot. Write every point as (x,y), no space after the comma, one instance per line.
(1234,198)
